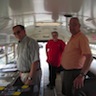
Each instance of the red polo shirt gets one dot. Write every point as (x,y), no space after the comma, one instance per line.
(54,50)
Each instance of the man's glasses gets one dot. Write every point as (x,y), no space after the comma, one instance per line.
(16,33)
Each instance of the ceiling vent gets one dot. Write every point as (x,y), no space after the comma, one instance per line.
(68,15)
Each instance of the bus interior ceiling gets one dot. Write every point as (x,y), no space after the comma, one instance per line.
(44,16)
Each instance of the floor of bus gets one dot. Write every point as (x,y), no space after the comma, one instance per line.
(44,91)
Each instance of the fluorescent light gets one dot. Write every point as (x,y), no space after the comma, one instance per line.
(48,24)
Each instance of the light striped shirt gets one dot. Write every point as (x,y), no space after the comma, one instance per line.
(28,53)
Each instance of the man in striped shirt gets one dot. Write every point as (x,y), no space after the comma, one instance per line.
(28,61)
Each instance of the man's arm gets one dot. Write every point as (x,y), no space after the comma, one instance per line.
(32,72)
(34,67)
(87,63)
(34,58)
(79,80)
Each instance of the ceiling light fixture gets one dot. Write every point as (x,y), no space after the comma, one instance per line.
(48,23)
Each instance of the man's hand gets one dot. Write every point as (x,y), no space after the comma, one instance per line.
(28,82)
(78,82)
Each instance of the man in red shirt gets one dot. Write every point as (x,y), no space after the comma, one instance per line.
(54,49)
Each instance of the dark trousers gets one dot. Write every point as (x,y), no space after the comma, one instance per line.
(52,74)
(89,88)
(67,81)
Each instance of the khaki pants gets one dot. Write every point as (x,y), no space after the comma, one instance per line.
(35,79)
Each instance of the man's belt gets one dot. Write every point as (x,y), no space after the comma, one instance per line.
(29,71)
(24,71)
